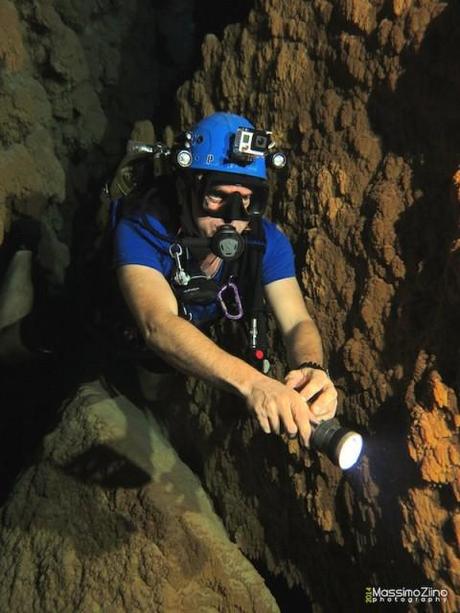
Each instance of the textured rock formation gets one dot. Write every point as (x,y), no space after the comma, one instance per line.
(74,79)
(109,519)
(69,92)
(364,98)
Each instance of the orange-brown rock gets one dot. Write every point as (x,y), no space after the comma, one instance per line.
(363,96)
(364,100)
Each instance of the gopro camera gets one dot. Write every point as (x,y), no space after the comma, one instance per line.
(251,143)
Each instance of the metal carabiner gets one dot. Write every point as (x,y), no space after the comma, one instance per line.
(236,295)
(180,276)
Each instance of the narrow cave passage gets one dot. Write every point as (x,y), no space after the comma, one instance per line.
(33,391)
(366,102)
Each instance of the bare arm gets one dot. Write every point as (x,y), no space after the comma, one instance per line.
(300,334)
(154,306)
(303,344)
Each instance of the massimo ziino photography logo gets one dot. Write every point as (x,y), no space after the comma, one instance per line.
(398,595)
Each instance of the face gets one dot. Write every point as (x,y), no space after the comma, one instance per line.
(214,200)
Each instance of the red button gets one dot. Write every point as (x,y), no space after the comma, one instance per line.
(259,354)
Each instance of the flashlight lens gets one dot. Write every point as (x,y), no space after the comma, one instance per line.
(349,449)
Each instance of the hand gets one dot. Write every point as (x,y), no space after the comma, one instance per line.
(277,405)
(317,389)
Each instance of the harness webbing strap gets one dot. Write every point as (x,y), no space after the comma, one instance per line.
(248,271)
(257,308)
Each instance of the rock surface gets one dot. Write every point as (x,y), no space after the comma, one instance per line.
(363,96)
(110,519)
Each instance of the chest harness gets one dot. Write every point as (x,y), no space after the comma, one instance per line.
(237,287)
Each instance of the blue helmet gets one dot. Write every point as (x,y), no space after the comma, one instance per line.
(211,147)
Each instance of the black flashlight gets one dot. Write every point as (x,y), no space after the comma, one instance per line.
(341,445)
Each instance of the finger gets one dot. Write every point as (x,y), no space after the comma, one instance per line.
(302,417)
(328,411)
(325,404)
(264,423)
(274,424)
(305,434)
(321,406)
(288,421)
(294,379)
(312,389)
(291,382)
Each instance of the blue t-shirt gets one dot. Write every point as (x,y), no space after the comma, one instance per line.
(135,244)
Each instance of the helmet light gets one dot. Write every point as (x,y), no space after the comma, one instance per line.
(277,160)
(184,158)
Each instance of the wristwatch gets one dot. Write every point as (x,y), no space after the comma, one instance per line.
(313,365)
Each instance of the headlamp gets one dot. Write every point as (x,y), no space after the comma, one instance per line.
(277,160)
(341,445)
(184,158)
(182,153)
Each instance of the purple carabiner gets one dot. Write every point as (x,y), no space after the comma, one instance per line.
(236,296)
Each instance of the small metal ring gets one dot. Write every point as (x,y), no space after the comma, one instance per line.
(175,250)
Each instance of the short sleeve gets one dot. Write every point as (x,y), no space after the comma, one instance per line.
(136,244)
(278,262)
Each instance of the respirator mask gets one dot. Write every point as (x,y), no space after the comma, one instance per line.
(227,243)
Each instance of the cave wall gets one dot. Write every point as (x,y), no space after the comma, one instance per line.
(74,78)
(108,518)
(363,96)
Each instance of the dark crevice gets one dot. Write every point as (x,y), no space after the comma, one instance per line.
(33,393)
(289,599)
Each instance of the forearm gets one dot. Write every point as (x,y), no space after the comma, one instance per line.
(303,344)
(178,342)
(187,349)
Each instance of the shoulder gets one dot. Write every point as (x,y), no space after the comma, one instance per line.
(274,237)
(278,260)
(140,238)
(145,226)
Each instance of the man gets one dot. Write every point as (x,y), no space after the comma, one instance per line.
(175,277)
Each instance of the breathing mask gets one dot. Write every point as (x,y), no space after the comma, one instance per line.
(227,243)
